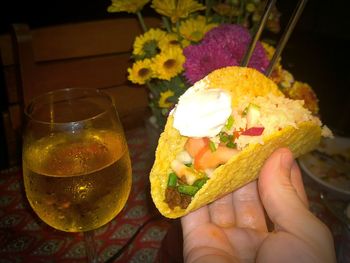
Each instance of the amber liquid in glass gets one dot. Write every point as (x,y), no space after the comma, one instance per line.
(77,183)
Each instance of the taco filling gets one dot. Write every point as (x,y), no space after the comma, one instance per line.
(215,132)
(219,135)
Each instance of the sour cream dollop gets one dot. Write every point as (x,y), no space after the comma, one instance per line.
(201,111)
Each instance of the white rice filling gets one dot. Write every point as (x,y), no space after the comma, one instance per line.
(276,112)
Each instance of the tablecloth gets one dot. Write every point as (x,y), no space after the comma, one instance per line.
(135,235)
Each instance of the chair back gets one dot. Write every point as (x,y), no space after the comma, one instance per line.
(93,54)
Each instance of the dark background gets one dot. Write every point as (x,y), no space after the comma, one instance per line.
(317,52)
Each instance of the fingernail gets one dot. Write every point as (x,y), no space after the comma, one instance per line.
(286,160)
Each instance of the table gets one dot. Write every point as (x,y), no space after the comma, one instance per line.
(138,234)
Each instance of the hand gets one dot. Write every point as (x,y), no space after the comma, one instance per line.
(234,228)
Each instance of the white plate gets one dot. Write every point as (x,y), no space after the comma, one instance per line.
(329,165)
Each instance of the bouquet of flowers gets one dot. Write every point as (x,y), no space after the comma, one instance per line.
(195,38)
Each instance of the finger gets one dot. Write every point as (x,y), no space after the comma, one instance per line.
(194,219)
(222,212)
(248,209)
(282,201)
(275,183)
(297,182)
(202,239)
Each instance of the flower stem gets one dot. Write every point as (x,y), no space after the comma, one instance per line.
(152,89)
(166,24)
(239,19)
(154,104)
(208,4)
(142,22)
(178,27)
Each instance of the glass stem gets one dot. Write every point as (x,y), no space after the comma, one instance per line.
(90,247)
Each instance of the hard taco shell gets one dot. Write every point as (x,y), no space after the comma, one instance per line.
(241,168)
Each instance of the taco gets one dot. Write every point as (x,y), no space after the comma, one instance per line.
(219,135)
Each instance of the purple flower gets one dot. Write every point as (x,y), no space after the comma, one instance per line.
(204,58)
(222,46)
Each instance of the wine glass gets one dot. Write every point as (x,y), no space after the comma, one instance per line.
(76,163)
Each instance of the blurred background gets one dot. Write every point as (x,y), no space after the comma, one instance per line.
(317,52)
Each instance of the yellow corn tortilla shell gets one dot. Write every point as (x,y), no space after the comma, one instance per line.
(241,168)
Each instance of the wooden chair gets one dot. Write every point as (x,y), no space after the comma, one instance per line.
(94,54)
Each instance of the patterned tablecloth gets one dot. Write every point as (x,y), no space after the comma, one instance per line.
(135,235)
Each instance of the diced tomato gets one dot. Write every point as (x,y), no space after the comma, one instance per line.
(253,131)
(207,159)
(199,157)
(236,134)
(194,145)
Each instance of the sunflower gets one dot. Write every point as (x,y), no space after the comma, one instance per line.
(140,72)
(163,100)
(170,40)
(147,45)
(194,29)
(168,63)
(130,6)
(176,9)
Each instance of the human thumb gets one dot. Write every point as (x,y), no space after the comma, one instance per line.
(280,193)
(283,196)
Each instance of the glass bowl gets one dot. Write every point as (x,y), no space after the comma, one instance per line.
(329,166)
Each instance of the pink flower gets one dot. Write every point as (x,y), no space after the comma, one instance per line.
(222,46)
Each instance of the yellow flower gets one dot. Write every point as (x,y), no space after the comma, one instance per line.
(250,7)
(170,40)
(277,70)
(130,6)
(278,75)
(176,9)
(147,45)
(194,29)
(287,79)
(163,103)
(140,72)
(227,9)
(185,43)
(303,91)
(270,50)
(168,63)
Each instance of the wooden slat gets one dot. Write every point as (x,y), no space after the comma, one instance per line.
(86,39)
(25,60)
(15,112)
(13,142)
(96,72)
(67,43)
(128,98)
(6,50)
(131,104)
(11,83)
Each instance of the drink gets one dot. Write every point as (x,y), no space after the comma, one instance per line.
(77,182)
